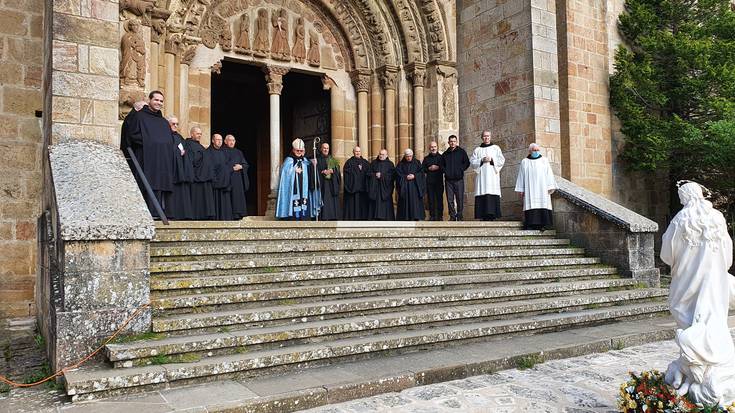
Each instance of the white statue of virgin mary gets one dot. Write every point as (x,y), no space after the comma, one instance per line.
(699,250)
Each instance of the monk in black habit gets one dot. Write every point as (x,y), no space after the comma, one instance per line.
(356,201)
(380,188)
(329,183)
(411,187)
(239,180)
(221,184)
(202,195)
(178,203)
(149,134)
(433,167)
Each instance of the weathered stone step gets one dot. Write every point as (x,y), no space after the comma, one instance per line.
(82,384)
(358,259)
(255,223)
(172,287)
(246,234)
(167,250)
(265,277)
(139,353)
(345,290)
(287,312)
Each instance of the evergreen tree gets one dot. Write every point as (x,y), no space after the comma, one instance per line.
(674,92)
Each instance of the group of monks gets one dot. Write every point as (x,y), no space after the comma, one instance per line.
(191,182)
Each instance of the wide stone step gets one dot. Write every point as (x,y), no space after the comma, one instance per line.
(82,384)
(304,312)
(356,289)
(140,353)
(259,223)
(249,234)
(166,250)
(161,288)
(264,278)
(351,260)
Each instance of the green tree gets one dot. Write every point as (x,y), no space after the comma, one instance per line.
(674,92)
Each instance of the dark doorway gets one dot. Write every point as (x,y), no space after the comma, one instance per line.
(240,106)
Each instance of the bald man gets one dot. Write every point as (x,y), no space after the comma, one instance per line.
(433,167)
(202,196)
(411,187)
(221,184)
(380,188)
(356,201)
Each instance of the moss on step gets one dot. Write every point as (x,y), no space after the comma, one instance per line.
(127,338)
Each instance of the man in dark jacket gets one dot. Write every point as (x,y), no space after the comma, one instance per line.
(456,162)
(178,203)
(433,166)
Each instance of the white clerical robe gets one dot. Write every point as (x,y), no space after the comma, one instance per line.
(487,180)
(535,180)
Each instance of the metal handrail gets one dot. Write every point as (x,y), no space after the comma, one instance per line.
(147,186)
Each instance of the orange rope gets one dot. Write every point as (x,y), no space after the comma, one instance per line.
(61,372)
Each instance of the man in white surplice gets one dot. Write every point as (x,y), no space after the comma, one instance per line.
(535,184)
(487,160)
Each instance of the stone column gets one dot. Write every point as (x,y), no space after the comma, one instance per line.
(388,79)
(274,82)
(153,67)
(361,81)
(171,48)
(376,116)
(417,72)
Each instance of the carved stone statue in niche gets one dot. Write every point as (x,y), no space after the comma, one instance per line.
(299,48)
(225,39)
(280,49)
(243,39)
(448,99)
(314,56)
(261,44)
(132,49)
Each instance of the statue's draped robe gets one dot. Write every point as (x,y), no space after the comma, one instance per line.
(178,203)
(487,180)
(380,190)
(221,184)
(356,201)
(535,179)
(329,188)
(240,183)
(202,195)
(149,134)
(410,192)
(297,197)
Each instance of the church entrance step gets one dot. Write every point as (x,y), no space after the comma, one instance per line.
(375,285)
(249,315)
(83,384)
(207,345)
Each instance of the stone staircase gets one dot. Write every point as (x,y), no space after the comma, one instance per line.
(243,299)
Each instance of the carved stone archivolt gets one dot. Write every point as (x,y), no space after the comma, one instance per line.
(133,52)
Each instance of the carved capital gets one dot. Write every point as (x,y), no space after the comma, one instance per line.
(174,43)
(158,30)
(417,73)
(388,76)
(361,80)
(188,55)
(274,78)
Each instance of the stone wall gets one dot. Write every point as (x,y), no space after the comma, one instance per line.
(21,59)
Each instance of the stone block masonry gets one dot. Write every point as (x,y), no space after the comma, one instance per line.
(21,145)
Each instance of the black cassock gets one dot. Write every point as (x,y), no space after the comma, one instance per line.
(356,202)
(221,184)
(240,183)
(434,185)
(410,193)
(329,188)
(178,202)
(149,134)
(380,190)
(202,196)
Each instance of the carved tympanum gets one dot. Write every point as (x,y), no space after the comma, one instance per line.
(132,48)
(299,46)
(280,49)
(243,38)
(314,56)
(261,44)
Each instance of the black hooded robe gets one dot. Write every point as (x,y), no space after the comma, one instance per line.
(202,195)
(380,190)
(178,202)
(434,185)
(240,184)
(410,193)
(149,134)
(329,187)
(221,184)
(356,200)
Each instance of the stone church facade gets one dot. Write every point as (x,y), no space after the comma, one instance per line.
(382,74)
